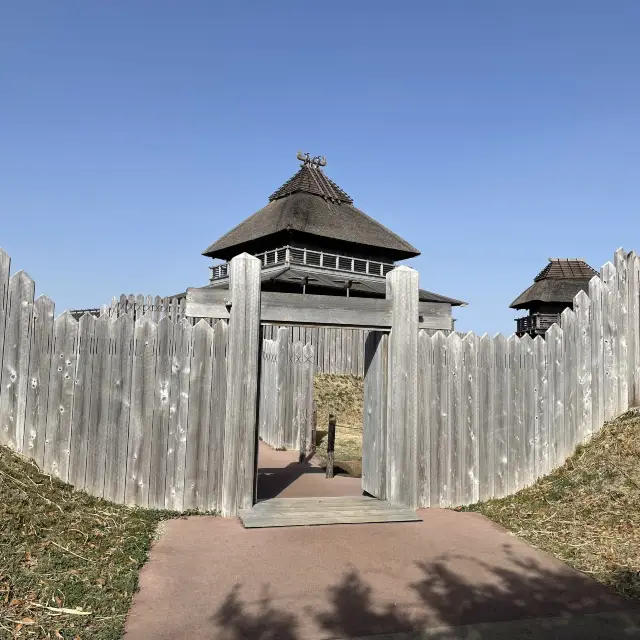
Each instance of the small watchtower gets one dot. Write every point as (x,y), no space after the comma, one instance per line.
(552,291)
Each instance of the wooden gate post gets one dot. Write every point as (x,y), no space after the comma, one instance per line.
(402,415)
(240,429)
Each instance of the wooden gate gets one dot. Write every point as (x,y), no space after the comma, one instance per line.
(285,411)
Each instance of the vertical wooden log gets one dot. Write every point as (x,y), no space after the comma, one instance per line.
(610,336)
(178,414)
(425,416)
(195,489)
(161,407)
(486,430)
(80,414)
(515,407)
(633,268)
(442,432)
(61,373)
(374,430)
(454,452)
(331,443)
(14,360)
(281,422)
(570,331)
(307,395)
(141,416)
(582,306)
(5,265)
(98,423)
(469,453)
(529,394)
(402,425)
(597,354)
(500,410)
(314,429)
(622,356)
(38,387)
(555,346)
(242,385)
(541,448)
(121,331)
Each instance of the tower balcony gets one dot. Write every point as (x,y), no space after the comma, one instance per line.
(288,255)
(536,324)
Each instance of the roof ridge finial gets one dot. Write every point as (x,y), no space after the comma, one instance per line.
(316,162)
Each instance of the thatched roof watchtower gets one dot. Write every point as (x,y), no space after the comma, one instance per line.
(552,291)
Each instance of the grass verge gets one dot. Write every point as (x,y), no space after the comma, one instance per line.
(69,562)
(342,395)
(587,513)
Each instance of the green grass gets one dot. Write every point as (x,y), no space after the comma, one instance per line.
(586,513)
(64,549)
(342,395)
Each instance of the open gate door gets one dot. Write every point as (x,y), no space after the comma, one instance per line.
(374,428)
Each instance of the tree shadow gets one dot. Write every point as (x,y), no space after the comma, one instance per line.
(452,590)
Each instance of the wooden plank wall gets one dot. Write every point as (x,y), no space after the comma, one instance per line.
(130,411)
(286,392)
(496,414)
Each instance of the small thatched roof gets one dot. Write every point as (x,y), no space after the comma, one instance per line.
(311,203)
(559,282)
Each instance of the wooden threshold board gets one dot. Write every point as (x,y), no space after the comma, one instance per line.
(302,512)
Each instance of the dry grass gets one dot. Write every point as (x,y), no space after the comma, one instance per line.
(68,562)
(586,513)
(342,395)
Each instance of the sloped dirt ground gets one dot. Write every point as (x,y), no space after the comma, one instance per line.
(586,513)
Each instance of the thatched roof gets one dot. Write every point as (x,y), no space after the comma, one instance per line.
(559,282)
(311,203)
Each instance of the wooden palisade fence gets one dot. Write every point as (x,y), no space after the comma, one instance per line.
(152,413)
(286,392)
(496,414)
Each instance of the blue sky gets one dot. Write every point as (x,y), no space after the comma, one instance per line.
(491,135)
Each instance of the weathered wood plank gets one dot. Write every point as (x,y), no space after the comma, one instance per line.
(308,370)
(195,489)
(555,345)
(38,387)
(5,266)
(292,308)
(570,331)
(14,371)
(121,336)
(633,262)
(584,418)
(178,414)
(610,336)
(402,426)
(597,354)
(441,435)
(161,408)
(140,422)
(469,449)
(61,374)
(98,422)
(514,416)
(529,370)
(82,401)
(622,356)
(425,417)
(282,417)
(242,385)
(486,418)
(453,454)
(374,430)
(501,413)
(541,408)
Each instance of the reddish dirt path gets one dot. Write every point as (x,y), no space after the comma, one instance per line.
(209,578)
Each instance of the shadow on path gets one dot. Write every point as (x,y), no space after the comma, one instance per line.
(474,593)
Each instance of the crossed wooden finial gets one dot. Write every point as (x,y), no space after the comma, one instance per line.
(316,161)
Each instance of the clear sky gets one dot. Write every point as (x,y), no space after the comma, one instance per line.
(491,135)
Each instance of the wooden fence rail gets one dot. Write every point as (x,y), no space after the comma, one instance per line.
(286,392)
